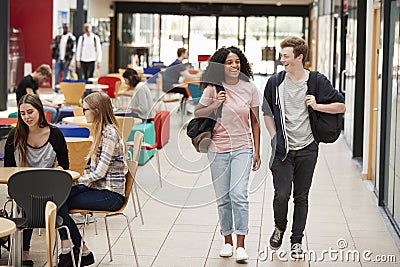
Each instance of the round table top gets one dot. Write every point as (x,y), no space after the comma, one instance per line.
(7,227)
(77,120)
(6,172)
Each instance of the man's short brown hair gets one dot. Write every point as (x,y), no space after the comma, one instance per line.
(300,46)
(45,70)
(180,51)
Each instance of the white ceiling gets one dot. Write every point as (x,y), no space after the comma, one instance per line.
(259,2)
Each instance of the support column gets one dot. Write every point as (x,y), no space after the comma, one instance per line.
(4,26)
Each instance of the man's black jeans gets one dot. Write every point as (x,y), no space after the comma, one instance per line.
(297,168)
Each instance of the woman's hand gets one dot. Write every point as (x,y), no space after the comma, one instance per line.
(221,97)
(256,162)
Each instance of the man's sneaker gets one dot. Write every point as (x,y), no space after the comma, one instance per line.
(275,240)
(241,254)
(65,260)
(226,251)
(86,260)
(296,252)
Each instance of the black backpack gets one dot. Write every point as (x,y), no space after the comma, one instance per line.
(326,127)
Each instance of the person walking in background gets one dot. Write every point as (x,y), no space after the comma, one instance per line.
(88,52)
(235,147)
(102,187)
(30,85)
(63,49)
(141,103)
(34,143)
(295,150)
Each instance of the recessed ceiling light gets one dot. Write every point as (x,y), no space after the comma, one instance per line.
(278,3)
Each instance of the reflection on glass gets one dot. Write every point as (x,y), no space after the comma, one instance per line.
(256,41)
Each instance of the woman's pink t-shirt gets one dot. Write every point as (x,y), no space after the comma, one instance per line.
(232,131)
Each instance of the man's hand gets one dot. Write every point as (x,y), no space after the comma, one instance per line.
(310,102)
(78,64)
(256,162)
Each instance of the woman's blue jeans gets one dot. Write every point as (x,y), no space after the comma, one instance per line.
(230,175)
(83,197)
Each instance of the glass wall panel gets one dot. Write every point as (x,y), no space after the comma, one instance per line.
(174,30)
(137,38)
(350,66)
(396,80)
(228,31)
(201,36)
(256,41)
(394,122)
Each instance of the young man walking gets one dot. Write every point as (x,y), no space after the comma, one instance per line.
(294,147)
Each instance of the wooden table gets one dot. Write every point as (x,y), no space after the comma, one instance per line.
(7,227)
(77,120)
(6,172)
(90,86)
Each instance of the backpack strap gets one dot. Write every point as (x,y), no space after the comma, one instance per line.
(312,83)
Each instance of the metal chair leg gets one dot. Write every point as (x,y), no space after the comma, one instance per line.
(83,238)
(131,235)
(159,167)
(137,199)
(108,238)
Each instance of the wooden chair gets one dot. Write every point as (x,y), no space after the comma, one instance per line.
(137,144)
(72,93)
(78,111)
(130,178)
(78,149)
(125,126)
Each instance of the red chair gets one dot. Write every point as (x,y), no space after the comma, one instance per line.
(162,129)
(111,82)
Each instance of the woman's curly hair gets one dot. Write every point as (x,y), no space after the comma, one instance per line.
(214,73)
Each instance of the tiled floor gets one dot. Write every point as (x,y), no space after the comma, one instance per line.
(181,223)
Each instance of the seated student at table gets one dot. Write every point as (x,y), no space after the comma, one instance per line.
(30,85)
(102,187)
(174,71)
(141,103)
(34,143)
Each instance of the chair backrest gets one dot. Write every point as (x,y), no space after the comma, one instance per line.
(72,92)
(4,130)
(31,189)
(78,149)
(111,82)
(137,143)
(78,111)
(195,92)
(50,220)
(75,131)
(125,126)
(152,71)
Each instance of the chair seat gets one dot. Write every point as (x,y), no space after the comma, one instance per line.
(144,145)
(74,211)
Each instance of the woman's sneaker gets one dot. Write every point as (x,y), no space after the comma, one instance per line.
(275,241)
(226,251)
(241,254)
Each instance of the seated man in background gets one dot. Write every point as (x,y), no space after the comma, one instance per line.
(30,85)
(173,73)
